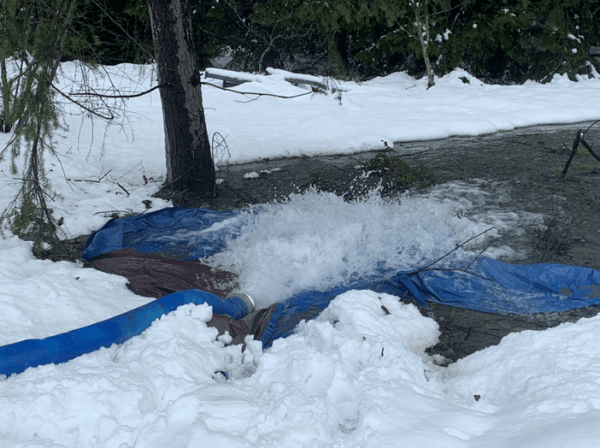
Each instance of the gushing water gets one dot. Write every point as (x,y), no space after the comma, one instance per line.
(317,240)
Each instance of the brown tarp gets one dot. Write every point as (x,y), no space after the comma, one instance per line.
(155,276)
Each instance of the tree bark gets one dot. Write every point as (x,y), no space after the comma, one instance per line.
(5,123)
(422,30)
(189,160)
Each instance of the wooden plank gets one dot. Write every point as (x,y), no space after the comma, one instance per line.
(228,81)
(308,82)
(232,81)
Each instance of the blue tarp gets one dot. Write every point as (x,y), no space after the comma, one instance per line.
(176,232)
(510,289)
(489,285)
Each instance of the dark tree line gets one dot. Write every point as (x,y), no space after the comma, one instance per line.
(505,41)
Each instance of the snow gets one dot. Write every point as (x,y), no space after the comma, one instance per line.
(355,376)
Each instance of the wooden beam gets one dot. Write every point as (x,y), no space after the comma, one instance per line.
(312,83)
(232,81)
(228,81)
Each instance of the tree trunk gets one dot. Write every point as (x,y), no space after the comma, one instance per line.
(5,123)
(189,160)
(422,30)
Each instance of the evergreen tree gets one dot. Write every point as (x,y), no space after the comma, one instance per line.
(37,44)
(216,30)
(420,22)
(516,40)
(113,31)
(266,33)
(504,41)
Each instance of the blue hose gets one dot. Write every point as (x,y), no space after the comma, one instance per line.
(17,357)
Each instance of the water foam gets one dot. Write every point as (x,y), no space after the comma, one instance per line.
(317,240)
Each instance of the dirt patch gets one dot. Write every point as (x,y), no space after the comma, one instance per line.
(527,161)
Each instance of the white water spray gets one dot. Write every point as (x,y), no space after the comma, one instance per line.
(318,240)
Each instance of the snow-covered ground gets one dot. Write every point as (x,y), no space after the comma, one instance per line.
(353,377)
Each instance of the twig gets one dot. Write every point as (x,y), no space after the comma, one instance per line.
(123,188)
(63,169)
(478,255)
(111,211)
(453,250)
(169,198)
(251,100)
(219,147)
(339,168)
(456,270)
(83,106)
(104,175)
(94,180)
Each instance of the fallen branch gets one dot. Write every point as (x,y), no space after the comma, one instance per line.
(145,92)
(453,250)
(459,270)
(426,268)
(256,93)
(238,79)
(477,256)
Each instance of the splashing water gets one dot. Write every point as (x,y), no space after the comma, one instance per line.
(316,240)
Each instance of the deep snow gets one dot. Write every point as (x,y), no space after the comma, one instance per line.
(353,377)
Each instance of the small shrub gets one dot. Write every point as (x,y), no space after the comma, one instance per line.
(581,151)
(396,174)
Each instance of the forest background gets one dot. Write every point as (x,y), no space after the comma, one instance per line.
(499,41)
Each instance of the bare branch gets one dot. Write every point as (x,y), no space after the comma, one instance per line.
(120,96)
(256,93)
(453,250)
(83,106)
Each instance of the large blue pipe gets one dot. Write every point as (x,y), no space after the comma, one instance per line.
(17,357)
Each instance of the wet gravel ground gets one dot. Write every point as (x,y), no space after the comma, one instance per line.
(526,162)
